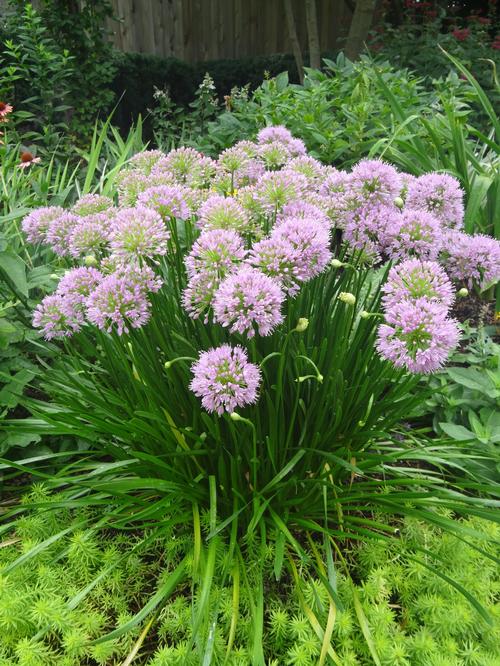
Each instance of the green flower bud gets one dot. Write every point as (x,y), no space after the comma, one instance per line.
(347,297)
(335,263)
(398,201)
(302,325)
(463,293)
(90,260)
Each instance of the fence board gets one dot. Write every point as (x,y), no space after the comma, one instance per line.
(196,30)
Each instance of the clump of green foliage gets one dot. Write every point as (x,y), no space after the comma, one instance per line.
(84,583)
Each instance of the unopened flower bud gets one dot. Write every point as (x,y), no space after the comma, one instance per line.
(347,297)
(398,201)
(54,276)
(335,263)
(234,416)
(90,260)
(167,365)
(364,314)
(302,325)
(463,293)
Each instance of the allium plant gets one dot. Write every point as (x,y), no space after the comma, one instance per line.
(256,377)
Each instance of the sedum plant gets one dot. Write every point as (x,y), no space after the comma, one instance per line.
(413,617)
(241,339)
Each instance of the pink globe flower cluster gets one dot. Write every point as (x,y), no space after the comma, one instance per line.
(417,334)
(246,232)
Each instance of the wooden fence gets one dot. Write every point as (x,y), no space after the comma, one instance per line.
(196,30)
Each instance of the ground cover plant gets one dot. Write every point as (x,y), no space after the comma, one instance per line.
(415,617)
(241,340)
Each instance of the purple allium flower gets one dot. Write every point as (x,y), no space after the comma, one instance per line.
(367,229)
(217,251)
(142,277)
(58,317)
(275,133)
(473,259)
(419,235)
(274,155)
(131,183)
(240,165)
(59,232)
(309,167)
(417,335)
(187,166)
(280,134)
(414,279)
(296,251)
(441,195)
(145,160)
(337,196)
(118,302)
(304,210)
(198,296)
(374,182)
(219,212)
(138,232)
(36,224)
(77,284)
(90,236)
(248,299)
(90,204)
(224,379)
(167,200)
(277,188)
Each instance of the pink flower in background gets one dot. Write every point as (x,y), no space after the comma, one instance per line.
(473,259)
(439,194)
(27,159)
(461,34)
(224,379)
(5,110)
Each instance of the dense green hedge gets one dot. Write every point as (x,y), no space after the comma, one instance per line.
(138,73)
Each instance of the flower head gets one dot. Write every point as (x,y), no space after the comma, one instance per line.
(277,188)
(5,110)
(274,155)
(57,316)
(473,259)
(240,165)
(312,169)
(296,251)
(414,279)
(374,182)
(304,210)
(167,200)
(224,379)
(417,335)
(441,195)
(280,134)
(138,232)
(27,159)
(36,223)
(77,284)
(187,166)
(367,229)
(59,232)
(145,160)
(219,212)
(247,300)
(419,235)
(118,302)
(217,251)
(90,235)
(90,204)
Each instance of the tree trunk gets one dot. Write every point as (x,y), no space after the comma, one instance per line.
(292,33)
(360,27)
(313,34)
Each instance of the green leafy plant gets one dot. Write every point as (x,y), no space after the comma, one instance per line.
(466,397)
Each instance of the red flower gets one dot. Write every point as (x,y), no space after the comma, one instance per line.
(461,34)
